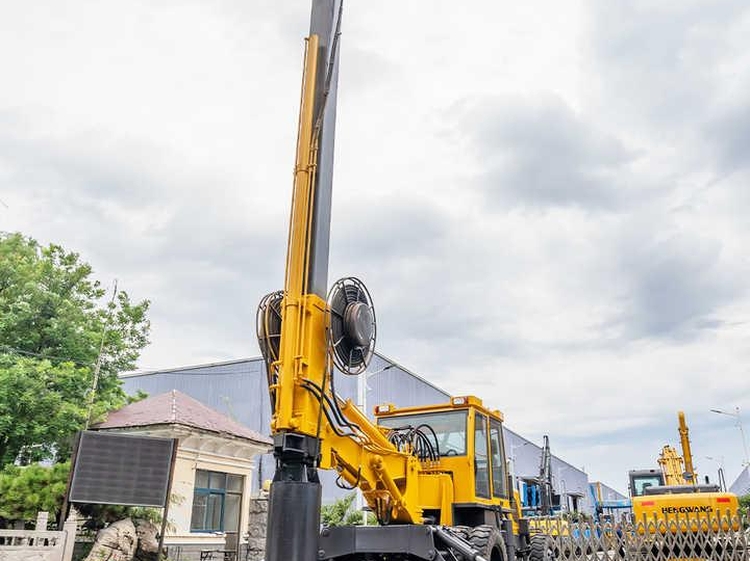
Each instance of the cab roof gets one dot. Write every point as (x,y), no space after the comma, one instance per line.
(457,402)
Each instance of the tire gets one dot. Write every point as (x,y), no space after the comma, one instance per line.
(462,532)
(539,550)
(489,542)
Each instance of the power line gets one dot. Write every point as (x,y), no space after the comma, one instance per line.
(39,355)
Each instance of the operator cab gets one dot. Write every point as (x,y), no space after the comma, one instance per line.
(643,479)
(462,437)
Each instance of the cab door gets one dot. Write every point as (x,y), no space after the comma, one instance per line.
(481,457)
(497,460)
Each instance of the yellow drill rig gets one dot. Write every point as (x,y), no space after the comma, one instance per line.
(434,476)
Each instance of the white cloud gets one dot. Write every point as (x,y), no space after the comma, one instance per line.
(600,293)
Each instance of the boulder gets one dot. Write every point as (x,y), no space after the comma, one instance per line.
(116,542)
(148,541)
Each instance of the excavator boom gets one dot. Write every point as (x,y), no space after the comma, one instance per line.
(687,455)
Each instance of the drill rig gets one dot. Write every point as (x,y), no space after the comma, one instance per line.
(434,476)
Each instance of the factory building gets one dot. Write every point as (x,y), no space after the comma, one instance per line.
(238,389)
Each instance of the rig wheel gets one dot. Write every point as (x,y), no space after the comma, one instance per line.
(540,550)
(489,542)
(462,531)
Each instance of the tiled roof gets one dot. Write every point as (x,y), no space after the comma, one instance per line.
(176,408)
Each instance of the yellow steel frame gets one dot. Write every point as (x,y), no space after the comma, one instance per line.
(395,484)
(671,466)
(386,476)
(687,454)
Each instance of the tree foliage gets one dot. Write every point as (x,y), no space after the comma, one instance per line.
(54,319)
(744,501)
(342,513)
(24,491)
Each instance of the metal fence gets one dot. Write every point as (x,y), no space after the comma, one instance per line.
(676,538)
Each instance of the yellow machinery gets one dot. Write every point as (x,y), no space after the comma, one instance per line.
(672,466)
(434,476)
(673,491)
(678,470)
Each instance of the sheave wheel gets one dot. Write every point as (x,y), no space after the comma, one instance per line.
(540,550)
(489,542)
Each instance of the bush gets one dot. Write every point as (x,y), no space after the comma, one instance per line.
(26,490)
(342,513)
(744,505)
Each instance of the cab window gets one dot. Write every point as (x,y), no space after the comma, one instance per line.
(481,463)
(499,480)
(640,484)
(449,427)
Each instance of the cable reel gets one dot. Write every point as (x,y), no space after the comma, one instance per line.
(268,326)
(352,325)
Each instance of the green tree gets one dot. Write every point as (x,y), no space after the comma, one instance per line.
(744,501)
(54,320)
(342,513)
(24,491)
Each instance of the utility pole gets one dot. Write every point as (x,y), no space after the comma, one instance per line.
(98,365)
(736,415)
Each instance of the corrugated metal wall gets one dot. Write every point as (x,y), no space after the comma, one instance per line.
(238,389)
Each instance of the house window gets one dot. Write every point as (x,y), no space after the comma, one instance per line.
(217,500)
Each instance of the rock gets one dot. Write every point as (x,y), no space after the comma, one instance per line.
(148,541)
(116,542)
(256,529)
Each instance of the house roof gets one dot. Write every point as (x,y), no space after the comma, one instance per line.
(176,408)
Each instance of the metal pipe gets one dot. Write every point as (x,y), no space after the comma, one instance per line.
(737,416)
(357,417)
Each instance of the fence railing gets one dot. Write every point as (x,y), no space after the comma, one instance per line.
(718,538)
(32,544)
(40,544)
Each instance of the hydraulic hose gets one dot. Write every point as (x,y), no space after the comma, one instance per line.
(458,544)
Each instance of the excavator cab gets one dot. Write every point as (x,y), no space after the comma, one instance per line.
(642,479)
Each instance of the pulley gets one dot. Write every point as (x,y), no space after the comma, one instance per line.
(352,325)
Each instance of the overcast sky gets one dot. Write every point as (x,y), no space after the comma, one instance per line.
(547,200)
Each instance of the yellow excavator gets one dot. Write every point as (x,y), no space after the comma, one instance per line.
(674,491)
(434,476)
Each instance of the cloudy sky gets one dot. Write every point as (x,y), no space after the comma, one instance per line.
(548,200)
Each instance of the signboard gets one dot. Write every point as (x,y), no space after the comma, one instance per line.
(120,469)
